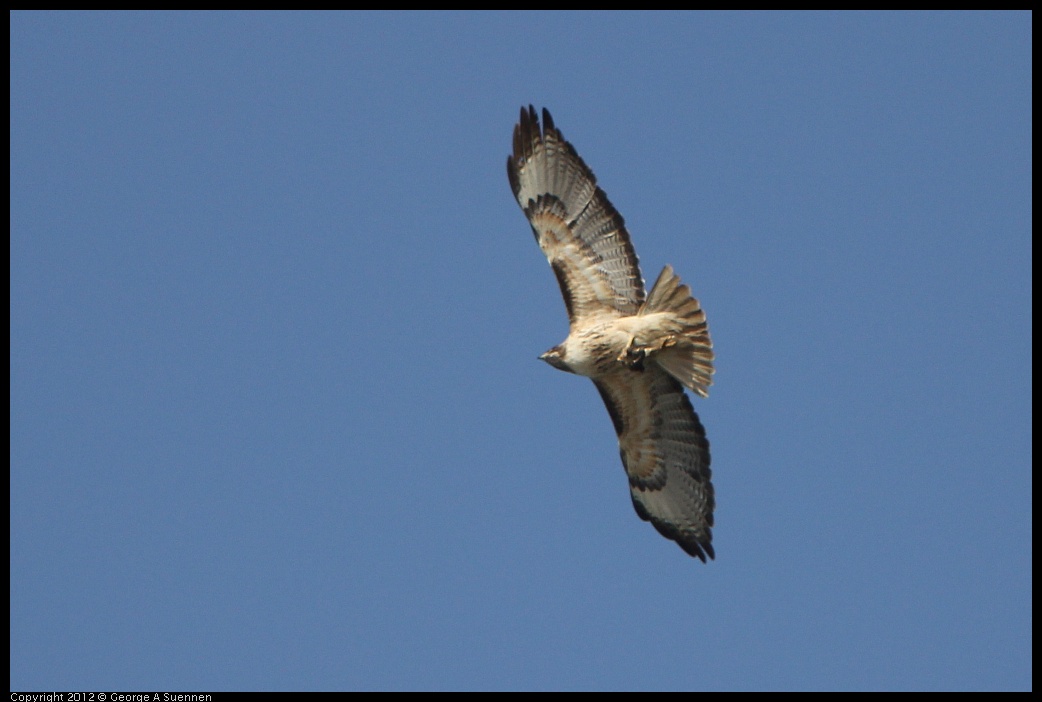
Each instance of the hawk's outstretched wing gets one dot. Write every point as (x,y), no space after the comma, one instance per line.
(665,453)
(582,235)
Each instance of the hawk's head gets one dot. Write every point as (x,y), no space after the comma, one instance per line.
(555,357)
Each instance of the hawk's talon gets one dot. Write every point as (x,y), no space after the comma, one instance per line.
(633,357)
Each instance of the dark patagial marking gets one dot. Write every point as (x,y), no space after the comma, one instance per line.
(566,291)
(613,411)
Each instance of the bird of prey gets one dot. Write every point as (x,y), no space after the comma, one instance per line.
(640,349)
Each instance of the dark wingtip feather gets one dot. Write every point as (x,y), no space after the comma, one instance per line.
(526,133)
(515,181)
(698,550)
(530,124)
(691,545)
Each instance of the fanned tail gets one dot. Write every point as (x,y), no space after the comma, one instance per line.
(685,351)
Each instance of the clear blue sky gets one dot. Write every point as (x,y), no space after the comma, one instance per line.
(277,420)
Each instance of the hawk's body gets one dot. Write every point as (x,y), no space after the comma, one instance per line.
(639,350)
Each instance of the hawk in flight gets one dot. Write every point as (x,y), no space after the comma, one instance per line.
(640,349)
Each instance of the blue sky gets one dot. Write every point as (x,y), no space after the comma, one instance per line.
(277,420)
